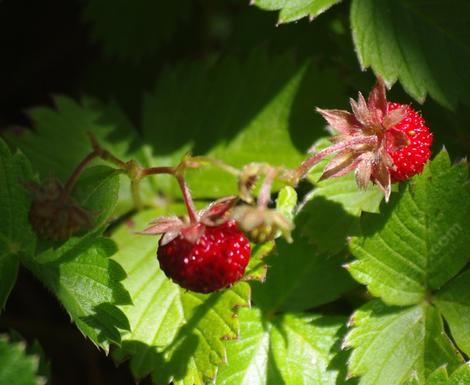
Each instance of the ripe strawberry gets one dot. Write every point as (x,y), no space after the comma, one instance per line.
(216,260)
(381,141)
(204,255)
(410,160)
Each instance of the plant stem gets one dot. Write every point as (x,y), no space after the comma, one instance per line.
(158,170)
(135,190)
(307,164)
(217,163)
(265,189)
(76,173)
(188,201)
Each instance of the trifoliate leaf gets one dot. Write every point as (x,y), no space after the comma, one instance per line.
(290,349)
(238,112)
(392,344)
(418,242)
(291,10)
(87,283)
(423,44)
(54,153)
(176,335)
(16,366)
(134,29)
(453,301)
(300,277)
(16,236)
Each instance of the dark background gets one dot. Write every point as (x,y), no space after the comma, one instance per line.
(47,48)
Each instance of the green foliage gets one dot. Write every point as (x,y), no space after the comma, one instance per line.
(54,153)
(80,273)
(391,343)
(407,253)
(17,367)
(297,9)
(418,241)
(87,283)
(248,103)
(236,111)
(453,301)
(175,335)
(291,349)
(423,44)
(134,30)
(16,236)
(289,285)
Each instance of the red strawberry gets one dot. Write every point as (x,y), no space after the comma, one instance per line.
(380,141)
(204,255)
(410,160)
(216,260)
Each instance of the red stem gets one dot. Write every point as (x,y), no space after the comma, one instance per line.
(158,170)
(306,165)
(188,201)
(76,173)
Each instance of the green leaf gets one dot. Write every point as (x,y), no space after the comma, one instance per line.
(257,268)
(87,283)
(419,242)
(461,376)
(16,366)
(300,277)
(392,343)
(438,377)
(176,335)
(286,202)
(453,301)
(136,29)
(97,190)
(79,271)
(290,349)
(291,10)
(16,236)
(424,44)
(238,112)
(326,225)
(54,153)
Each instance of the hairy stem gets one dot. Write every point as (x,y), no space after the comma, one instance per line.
(76,173)
(217,163)
(264,195)
(307,164)
(188,201)
(158,170)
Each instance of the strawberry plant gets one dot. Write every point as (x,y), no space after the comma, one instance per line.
(211,199)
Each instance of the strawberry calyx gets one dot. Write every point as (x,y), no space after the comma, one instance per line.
(365,139)
(191,230)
